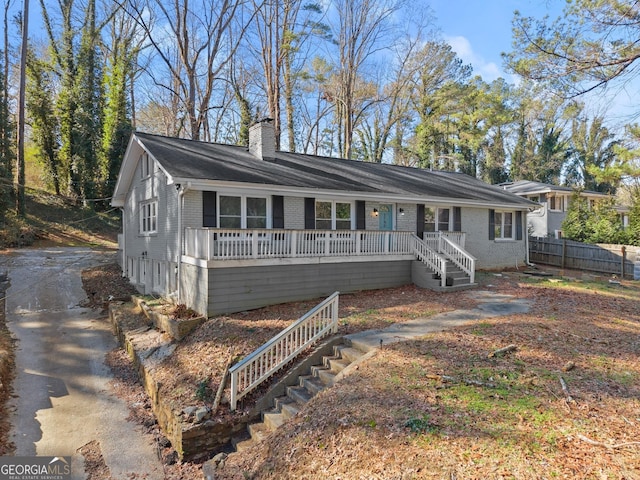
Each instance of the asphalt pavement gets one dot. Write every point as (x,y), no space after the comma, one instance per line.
(62,396)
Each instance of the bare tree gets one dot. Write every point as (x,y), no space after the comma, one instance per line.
(363,29)
(282,27)
(192,42)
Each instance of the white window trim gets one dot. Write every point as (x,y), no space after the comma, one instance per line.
(333,212)
(152,217)
(502,238)
(559,201)
(436,213)
(243,207)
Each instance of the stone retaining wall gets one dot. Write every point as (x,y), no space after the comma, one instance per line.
(191,440)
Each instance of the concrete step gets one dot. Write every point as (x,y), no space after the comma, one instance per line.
(299,394)
(350,353)
(258,431)
(337,364)
(272,419)
(313,384)
(327,376)
(289,410)
(288,405)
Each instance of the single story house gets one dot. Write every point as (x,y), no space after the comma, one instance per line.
(546,221)
(224,228)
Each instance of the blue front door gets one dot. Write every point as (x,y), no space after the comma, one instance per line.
(385,218)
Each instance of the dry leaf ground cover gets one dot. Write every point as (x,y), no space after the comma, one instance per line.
(192,374)
(441,408)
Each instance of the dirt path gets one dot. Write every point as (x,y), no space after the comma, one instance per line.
(63,404)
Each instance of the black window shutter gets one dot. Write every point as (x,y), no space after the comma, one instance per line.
(420,220)
(457,219)
(492,224)
(361,221)
(277,204)
(310,213)
(518,225)
(209,214)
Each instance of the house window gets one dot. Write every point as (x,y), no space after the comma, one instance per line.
(556,203)
(504,225)
(243,212)
(333,215)
(149,217)
(256,212)
(436,219)
(146,165)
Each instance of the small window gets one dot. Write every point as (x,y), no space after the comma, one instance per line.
(256,212)
(443,219)
(149,217)
(504,225)
(323,215)
(230,212)
(146,165)
(343,216)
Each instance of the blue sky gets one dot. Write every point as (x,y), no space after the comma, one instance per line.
(479,30)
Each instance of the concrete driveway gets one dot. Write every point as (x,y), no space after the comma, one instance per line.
(63,400)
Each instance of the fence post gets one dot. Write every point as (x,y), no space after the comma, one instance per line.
(624,260)
(564,253)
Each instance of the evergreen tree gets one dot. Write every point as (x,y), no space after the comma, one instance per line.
(42,118)
(6,148)
(576,225)
(118,75)
(88,120)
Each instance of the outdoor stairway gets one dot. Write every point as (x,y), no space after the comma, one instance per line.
(457,279)
(320,377)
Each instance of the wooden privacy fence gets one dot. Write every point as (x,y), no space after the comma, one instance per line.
(610,259)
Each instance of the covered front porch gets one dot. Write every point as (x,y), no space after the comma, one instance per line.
(211,246)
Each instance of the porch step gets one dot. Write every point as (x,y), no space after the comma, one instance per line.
(287,406)
(424,277)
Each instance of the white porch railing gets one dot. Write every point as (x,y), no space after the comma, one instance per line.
(460,257)
(430,257)
(451,245)
(232,244)
(266,360)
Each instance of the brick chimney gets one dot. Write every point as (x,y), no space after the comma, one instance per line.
(262,140)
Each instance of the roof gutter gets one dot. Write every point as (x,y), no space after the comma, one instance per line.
(373,196)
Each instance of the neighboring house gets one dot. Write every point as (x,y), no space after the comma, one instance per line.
(225,228)
(547,220)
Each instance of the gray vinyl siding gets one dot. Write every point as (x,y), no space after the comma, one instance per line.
(158,248)
(245,288)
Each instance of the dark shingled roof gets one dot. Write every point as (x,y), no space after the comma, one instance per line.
(189,159)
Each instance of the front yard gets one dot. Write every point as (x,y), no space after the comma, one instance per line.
(564,404)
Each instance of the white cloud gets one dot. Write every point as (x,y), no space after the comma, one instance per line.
(489,71)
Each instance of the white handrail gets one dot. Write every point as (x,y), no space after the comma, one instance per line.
(273,355)
(459,256)
(430,257)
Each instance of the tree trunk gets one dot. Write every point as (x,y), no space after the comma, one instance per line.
(20,199)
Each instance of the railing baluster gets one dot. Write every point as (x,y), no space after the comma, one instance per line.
(261,364)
